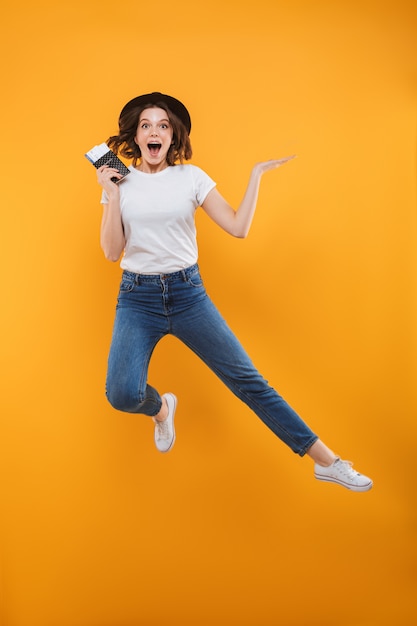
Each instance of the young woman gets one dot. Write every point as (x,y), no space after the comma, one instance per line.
(149,217)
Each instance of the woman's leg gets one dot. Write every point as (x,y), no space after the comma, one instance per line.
(135,335)
(208,335)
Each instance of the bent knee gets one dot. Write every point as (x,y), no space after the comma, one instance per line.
(125,400)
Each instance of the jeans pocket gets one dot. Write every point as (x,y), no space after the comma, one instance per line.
(126,285)
(195,279)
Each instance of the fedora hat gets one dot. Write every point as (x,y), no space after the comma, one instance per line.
(156,98)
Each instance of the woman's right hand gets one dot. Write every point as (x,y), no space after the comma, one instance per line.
(104,177)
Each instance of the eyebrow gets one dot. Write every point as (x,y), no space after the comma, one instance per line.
(145,119)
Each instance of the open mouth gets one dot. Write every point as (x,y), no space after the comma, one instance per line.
(154,148)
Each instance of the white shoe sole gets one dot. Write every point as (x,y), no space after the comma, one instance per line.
(329,479)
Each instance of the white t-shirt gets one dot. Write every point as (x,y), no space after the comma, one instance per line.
(158,215)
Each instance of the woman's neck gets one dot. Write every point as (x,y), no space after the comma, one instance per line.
(150,168)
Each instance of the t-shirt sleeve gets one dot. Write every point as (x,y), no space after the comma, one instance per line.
(202,184)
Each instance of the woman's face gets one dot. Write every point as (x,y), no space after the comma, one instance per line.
(154,137)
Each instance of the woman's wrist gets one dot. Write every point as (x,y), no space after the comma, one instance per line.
(113,195)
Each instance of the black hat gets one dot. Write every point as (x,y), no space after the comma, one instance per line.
(155,98)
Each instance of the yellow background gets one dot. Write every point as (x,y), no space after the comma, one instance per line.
(230,529)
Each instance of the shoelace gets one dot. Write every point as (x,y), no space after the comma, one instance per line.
(346,468)
(163,429)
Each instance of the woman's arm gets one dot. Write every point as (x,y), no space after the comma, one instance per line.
(237,223)
(112,238)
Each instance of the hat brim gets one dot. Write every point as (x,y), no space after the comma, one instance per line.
(155,98)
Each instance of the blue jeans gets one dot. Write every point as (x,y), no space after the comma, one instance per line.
(150,307)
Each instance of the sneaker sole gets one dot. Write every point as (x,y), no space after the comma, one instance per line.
(327,479)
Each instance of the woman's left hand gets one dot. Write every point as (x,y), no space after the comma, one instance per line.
(272,164)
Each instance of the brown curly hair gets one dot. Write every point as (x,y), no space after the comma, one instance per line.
(125,145)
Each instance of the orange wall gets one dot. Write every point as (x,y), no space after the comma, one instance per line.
(97,528)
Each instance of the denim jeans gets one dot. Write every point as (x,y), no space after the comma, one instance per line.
(152,306)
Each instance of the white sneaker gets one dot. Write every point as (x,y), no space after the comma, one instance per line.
(165,431)
(342,473)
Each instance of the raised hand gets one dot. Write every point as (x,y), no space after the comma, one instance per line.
(272,164)
(237,222)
